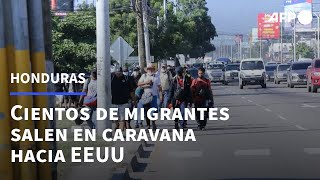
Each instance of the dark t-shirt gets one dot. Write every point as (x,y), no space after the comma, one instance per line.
(121,89)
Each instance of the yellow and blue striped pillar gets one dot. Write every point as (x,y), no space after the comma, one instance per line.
(6,168)
(7,11)
(38,65)
(23,65)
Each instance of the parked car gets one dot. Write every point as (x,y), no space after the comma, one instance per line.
(313,76)
(297,73)
(280,74)
(270,71)
(231,73)
(252,72)
(215,72)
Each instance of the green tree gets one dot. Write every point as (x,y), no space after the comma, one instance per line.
(74,41)
(196,27)
(188,32)
(304,51)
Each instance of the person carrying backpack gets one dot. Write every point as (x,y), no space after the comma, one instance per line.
(151,89)
(202,96)
(90,99)
(180,94)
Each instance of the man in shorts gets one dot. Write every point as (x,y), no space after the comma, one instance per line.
(122,92)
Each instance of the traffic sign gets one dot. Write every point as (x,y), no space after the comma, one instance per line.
(120,50)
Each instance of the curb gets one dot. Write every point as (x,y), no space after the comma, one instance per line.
(137,163)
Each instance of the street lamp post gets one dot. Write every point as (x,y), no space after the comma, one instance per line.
(281,43)
(260,48)
(294,39)
(318,35)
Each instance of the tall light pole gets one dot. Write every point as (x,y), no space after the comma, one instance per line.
(294,39)
(240,44)
(281,43)
(103,62)
(231,52)
(260,48)
(318,35)
(146,30)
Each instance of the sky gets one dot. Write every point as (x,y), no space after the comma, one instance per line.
(239,16)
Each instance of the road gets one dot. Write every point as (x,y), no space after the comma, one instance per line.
(272,133)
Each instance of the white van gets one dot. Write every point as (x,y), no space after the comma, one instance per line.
(252,72)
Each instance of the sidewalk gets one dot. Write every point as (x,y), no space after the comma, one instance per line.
(96,170)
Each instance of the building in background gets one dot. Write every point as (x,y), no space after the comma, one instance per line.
(254,35)
(77,3)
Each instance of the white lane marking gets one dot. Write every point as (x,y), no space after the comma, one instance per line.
(250,101)
(300,127)
(281,117)
(308,106)
(312,151)
(185,154)
(243,97)
(253,152)
(267,110)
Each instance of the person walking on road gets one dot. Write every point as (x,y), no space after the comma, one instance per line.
(90,99)
(122,91)
(151,89)
(166,81)
(180,94)
(132,101)
(202,96)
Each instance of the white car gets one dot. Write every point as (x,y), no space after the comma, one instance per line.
(252,72)
(231,73)
(216,72)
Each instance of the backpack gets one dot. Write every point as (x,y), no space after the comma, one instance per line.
(146,96)
(179,93)
(203,92)
(90,101)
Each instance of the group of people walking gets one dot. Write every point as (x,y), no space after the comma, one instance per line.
(153,89)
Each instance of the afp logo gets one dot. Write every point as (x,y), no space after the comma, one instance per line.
(304,17)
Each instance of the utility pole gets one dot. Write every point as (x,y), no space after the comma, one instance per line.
(231,52)
(146,30)
(165,10)
(141,47)
(294,42)
(175,4)
(260,48)
(103,62)
(240,49)
(281,43)
(318,35)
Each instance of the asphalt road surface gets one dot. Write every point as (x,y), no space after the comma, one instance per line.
(272,133)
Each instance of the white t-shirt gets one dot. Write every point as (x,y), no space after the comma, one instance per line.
(91,87)
(166,78)
(156,83)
